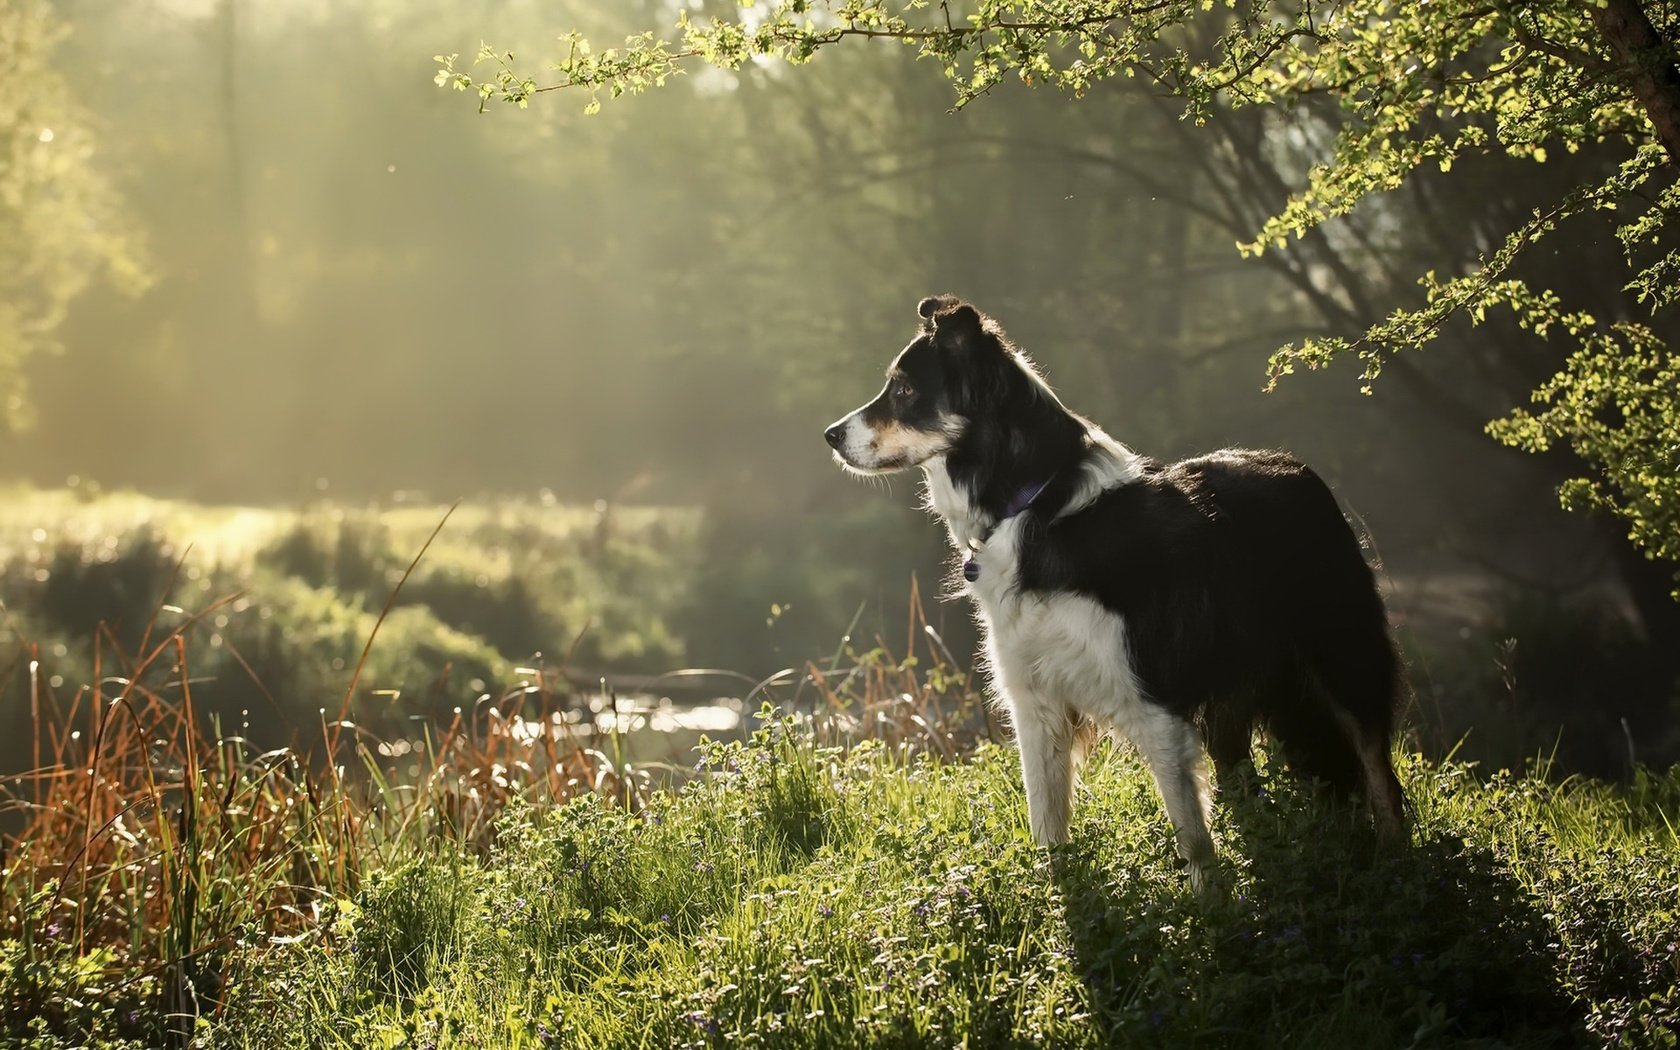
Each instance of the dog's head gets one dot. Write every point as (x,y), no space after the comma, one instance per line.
(934,388)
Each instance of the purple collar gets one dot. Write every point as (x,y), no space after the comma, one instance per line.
(1019,503)
(1024,499)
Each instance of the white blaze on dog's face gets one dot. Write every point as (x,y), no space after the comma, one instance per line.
(919,413)
(903,427)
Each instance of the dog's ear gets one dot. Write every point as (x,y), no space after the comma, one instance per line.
(934,303)
(957,325)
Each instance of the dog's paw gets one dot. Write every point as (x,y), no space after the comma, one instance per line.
(1205,880)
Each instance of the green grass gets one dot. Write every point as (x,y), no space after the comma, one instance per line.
(862,880)
(803,896)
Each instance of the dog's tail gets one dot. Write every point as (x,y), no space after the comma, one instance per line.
(1336,721)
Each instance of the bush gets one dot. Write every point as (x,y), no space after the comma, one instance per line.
(288,603)
(596,586)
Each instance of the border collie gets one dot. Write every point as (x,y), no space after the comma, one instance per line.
(1119,593)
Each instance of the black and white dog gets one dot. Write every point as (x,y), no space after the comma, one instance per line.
(1121,593)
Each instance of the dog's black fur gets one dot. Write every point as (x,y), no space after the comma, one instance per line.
(1246,599)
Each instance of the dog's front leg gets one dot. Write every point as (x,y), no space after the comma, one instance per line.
(1044,734)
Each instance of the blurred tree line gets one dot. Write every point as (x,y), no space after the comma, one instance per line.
(353,286)
(62,224)
(1367,94)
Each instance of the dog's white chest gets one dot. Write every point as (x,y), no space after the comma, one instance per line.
(1053,648)
(1047,650)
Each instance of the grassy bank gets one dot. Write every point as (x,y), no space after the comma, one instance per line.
(801,895)
(798,896)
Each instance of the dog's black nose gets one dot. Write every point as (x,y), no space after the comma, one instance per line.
(835,434)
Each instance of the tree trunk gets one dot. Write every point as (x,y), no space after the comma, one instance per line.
(1649,64)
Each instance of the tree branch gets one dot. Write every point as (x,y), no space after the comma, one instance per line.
(1648,63)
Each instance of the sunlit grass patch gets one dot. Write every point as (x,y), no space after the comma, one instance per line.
(811,888)
(153,861)
(295,593)
(98,521)
(798,895)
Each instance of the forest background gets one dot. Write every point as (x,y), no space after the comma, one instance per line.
(257,272)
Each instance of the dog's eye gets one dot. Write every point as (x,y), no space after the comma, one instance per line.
(903,391)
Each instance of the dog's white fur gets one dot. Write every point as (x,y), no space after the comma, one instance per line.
(867,450)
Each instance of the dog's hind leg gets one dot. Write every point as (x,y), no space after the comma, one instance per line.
(1359,687)
(1341,634)
(1044,732)
(1301,720)
(1174,753)
(1382,787)
(1228,730)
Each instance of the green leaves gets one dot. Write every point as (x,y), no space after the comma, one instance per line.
(1616,404)
(1064,43)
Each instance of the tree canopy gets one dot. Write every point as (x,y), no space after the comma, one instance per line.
(62,224)
(1376,93)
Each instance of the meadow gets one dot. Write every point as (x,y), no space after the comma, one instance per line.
(274,606)
(801,895)
(402,869)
